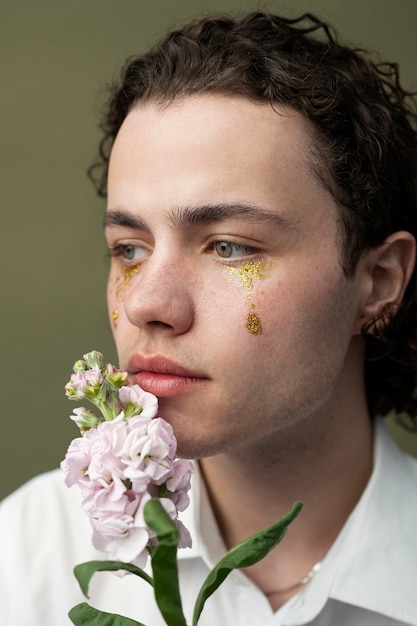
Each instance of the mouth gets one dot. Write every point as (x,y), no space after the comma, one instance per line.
(162,377)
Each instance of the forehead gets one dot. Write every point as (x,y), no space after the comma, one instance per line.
(213,148)
(234,122)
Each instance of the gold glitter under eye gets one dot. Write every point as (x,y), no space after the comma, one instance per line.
(247,273)
(128,272)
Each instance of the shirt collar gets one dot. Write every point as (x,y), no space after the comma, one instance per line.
(373,562)
(378,555)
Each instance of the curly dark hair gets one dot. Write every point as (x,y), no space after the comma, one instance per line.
(363,137)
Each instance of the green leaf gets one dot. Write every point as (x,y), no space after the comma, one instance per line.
(85,615)
(245,554)
(164,563)
(85,571)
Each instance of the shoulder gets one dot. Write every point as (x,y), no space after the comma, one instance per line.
(43,534)
(390,500)
(41,513)
(44,485)
(378,571)
(44,493)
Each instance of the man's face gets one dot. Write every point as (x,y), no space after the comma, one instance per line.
(226,295)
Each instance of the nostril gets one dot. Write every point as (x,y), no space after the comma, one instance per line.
(160,324)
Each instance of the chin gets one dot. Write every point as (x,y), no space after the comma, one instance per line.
(199,444)
(194,447)
(197,435)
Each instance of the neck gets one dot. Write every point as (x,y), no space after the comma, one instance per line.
(252,487)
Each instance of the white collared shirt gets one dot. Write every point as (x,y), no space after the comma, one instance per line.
(368,578)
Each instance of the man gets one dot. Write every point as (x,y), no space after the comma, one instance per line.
(261,219)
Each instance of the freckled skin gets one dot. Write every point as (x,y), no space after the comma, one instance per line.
(211,150)
(247,273)
(271,419)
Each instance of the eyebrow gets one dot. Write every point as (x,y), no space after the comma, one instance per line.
(181,217)
(115,217)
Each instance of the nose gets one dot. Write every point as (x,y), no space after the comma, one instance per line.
(159,298)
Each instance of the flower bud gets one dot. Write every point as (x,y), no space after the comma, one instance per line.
(115,377)
(72,390)
(80,366)
(85,419)
(94,359)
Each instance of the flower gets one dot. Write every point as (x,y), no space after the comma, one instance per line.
(132,489)
(84,418)
(133,397)
(125,457)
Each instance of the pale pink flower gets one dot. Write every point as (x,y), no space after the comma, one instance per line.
(76,386)
(84,418)
(149,450)
(124,537)
(180,480)
(76,462)
(94,377)
(82,382)
(119,464)
(106,450)
(185,536)
(104,503)
(114,375)
(137,397)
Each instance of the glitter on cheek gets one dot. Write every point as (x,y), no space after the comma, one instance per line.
(128,272)
(122,282)
(254,324)
(115,317)
(250,271)
(247,273)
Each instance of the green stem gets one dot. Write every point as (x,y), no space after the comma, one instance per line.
(105,409)
(164,563)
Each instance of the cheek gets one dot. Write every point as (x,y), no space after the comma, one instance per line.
(309,321)
(249,278)
(115,298)
(254,323)
(114,318)
(118,284)
(312,308)
(120,279)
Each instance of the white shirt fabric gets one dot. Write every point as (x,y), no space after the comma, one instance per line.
(368,578)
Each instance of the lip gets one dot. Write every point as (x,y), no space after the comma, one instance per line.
(161,376)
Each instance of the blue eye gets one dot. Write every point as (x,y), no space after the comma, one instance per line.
(128,252)
(227,249)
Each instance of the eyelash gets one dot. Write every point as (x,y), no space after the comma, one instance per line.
(119,250)
(250,251)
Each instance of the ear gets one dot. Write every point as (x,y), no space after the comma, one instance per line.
(387,270)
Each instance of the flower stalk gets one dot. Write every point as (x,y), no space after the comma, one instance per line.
(133,488)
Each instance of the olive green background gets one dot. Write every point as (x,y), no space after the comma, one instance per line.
(56,57)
